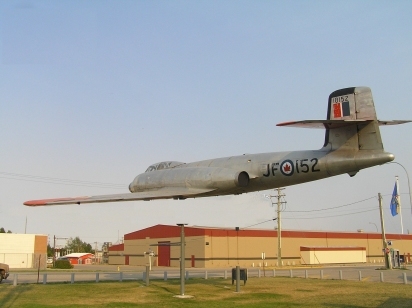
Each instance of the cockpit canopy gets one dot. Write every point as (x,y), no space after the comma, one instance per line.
(164,165)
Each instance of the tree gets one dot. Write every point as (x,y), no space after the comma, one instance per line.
(49,251)
(2,230)
(77,245)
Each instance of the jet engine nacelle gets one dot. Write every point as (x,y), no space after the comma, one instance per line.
(196,177)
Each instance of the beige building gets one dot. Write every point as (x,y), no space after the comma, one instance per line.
(23,250)
(216,247)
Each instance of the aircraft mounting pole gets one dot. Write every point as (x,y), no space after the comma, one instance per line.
(182,259)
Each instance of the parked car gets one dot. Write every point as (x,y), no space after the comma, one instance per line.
(4,271)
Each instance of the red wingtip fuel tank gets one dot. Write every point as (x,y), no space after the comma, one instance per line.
(43,202)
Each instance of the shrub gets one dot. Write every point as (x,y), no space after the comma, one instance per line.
(64,264)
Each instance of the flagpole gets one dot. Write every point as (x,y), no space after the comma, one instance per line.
(399,202)
(409,182)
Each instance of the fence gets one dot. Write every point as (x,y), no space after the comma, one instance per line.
(372,275)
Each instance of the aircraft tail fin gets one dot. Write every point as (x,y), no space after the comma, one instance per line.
(351,104)
(356,106)
(351,121)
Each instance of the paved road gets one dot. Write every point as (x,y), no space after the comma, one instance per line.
(124,273)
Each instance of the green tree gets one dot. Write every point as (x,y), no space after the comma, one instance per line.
(2,230)
(63,264)
(77,245)
(49,251)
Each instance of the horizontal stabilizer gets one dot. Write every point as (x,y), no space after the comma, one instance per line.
(330,124)
(163,193)
(393,122)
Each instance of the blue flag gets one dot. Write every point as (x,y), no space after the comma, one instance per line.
(395,201)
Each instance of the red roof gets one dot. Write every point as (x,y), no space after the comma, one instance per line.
(118,247)
(167,231)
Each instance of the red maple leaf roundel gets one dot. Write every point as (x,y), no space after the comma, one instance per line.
(286,167)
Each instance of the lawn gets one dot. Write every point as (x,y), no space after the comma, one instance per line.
(258,292)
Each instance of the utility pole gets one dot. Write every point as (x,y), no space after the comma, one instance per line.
(54,250)
(54,246)
(279,203)
(95,252)
(388,263)
(279,231)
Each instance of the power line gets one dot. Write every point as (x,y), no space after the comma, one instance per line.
(260,223)
(60,181)
(334,215)
(338,212)
(330,208)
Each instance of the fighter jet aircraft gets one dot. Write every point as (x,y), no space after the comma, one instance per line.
(352,142)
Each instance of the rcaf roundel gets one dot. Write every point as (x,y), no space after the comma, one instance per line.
(286,167)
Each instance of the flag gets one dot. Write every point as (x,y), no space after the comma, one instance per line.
(341,109)
(395,202)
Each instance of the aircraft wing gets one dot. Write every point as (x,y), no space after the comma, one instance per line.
(164,193)
(336,123)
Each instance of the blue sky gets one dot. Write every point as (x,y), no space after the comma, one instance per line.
(96,91)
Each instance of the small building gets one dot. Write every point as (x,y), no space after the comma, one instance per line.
(79,258)
(23,250)
(208,247)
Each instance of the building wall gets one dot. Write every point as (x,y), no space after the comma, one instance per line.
(86,259)
(211,248)
(17,243)
(242,251)
(40,244)
(23,250)
(136,249)
(325,255)
(116,260)
(116,254)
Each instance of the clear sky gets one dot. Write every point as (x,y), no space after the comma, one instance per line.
(93,92)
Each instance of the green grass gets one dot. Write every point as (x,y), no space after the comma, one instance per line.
(258,292)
